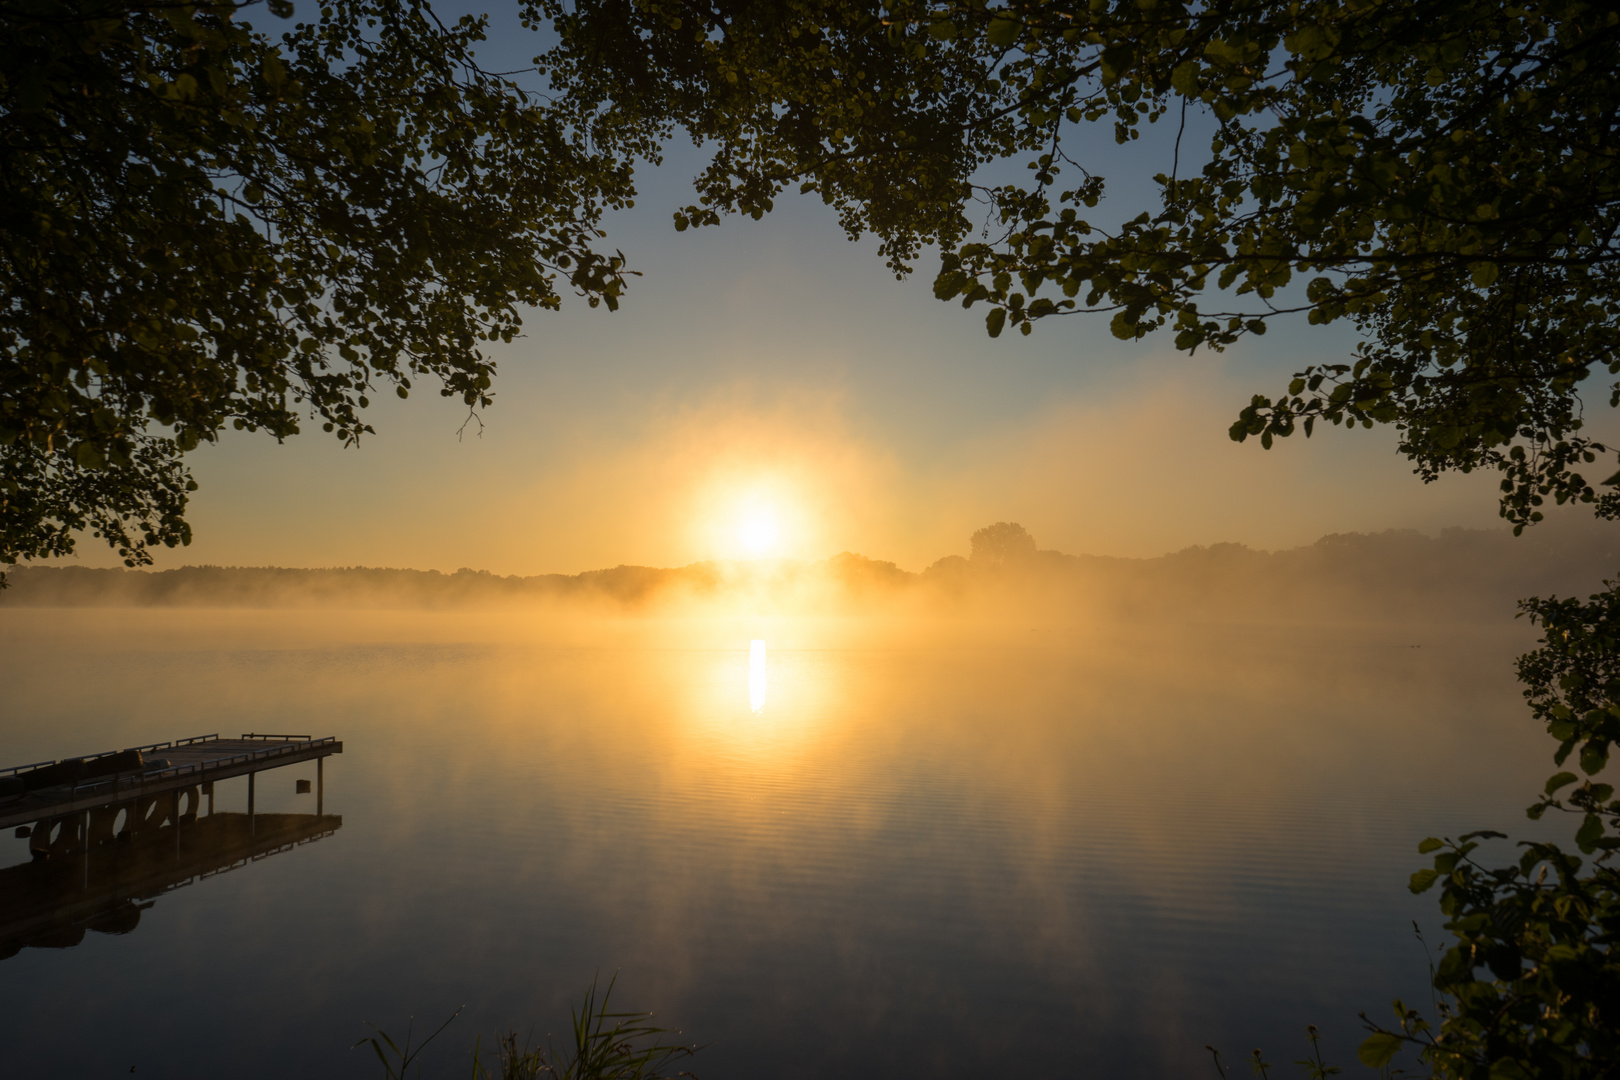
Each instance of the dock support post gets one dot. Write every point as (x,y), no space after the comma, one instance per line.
(320,785)
(251,826)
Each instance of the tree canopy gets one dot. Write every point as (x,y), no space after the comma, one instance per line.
(1443,175)
(1001,543)
(204,224)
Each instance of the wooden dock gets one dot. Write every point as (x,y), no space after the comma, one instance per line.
(50,790)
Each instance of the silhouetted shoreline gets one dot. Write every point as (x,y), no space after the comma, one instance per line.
(1461,573)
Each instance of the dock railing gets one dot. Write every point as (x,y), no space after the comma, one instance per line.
(288,744)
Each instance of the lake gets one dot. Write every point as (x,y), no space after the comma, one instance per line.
(851,847)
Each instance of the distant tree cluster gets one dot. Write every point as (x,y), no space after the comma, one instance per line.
(1462,574)
(1003,542)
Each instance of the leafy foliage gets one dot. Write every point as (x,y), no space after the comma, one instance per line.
(1443,176)
(1532,984)
(204,225)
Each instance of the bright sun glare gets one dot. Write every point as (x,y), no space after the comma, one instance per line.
(758,533)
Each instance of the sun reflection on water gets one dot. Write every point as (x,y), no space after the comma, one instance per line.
(759,703)
(756,676)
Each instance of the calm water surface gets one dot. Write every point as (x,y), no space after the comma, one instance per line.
(821,848)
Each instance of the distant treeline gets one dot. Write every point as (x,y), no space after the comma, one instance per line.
(1461,573)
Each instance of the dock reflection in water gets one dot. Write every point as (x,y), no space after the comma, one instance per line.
(50,903)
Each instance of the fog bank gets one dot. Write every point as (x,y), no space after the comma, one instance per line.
(1461,574)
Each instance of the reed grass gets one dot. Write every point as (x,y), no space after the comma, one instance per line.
(606,1045)
(1314,1067)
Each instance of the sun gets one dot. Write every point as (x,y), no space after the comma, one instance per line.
(759,533)
(752,518)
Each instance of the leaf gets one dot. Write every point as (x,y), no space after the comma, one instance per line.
(1423,880)
(995,320)
(1483,274)
(1559,780)
(950,283)
(1004,31)
(1184,78)
(1431,844)
(1378,1049)
(1594,755)
(273,70)
(1590,832)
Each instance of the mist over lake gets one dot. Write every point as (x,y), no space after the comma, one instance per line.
(892,838)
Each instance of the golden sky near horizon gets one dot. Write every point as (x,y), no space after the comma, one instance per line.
(770,376)
(742,467)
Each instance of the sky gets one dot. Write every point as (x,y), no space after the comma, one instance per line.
(774,371)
